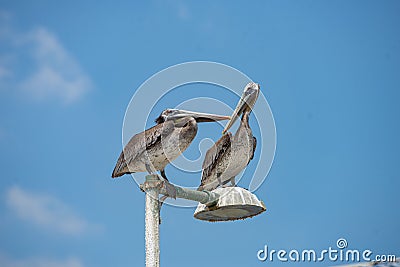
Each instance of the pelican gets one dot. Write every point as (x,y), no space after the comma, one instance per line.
(231,154)
(150,151)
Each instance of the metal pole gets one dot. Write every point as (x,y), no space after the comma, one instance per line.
(204,197)
(153,187)
(152,218)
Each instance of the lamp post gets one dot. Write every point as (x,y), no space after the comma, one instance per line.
(221,204)
(152,188)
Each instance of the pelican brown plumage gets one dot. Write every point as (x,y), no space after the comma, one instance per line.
(154,148)
(231,154)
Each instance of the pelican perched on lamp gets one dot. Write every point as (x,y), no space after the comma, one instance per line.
(150,151)
(231,154)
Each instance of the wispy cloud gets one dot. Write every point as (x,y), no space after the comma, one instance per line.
(39,262)
(46,211)
(57,73)
(50,71)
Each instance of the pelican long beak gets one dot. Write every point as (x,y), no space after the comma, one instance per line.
(247,101)
(235,115)
(201,117)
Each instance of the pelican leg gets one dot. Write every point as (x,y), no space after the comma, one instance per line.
(171,191)
(169,187)
(220,181)
(149,169)
(163,174)
(233,181)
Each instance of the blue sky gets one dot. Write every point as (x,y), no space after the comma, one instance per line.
(329,70)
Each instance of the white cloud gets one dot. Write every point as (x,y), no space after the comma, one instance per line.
(49,71)
(39,262)
(46,211)
(57,73)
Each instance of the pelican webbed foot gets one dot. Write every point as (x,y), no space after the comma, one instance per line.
(170,188)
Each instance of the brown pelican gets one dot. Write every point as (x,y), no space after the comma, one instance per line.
(231,154)
(154,148)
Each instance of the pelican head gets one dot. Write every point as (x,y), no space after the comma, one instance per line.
(246,103)
(176,114)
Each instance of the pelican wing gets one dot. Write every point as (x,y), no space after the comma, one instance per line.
(138,144)
(213,155)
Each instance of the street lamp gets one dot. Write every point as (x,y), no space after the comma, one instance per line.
(221,204)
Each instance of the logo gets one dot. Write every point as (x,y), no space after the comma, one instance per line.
(177,80)
(340,253)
